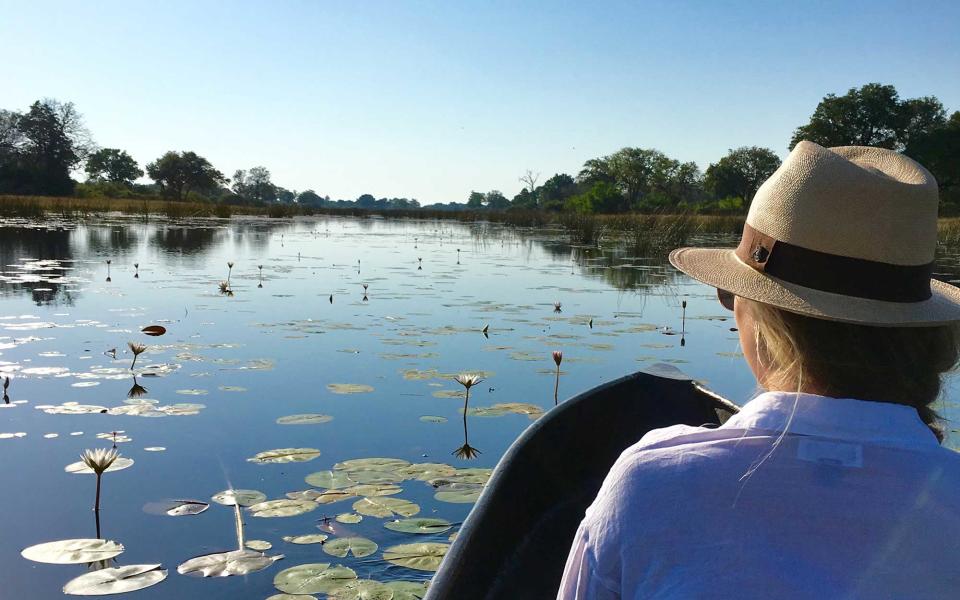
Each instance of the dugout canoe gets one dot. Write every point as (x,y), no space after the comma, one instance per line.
(515,541)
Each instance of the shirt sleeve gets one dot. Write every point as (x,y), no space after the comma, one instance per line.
(580,580)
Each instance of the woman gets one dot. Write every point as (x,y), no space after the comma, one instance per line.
(832,483)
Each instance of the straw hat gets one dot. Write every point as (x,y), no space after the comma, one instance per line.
(844,234)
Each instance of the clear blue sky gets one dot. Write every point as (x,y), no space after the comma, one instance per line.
(433,99)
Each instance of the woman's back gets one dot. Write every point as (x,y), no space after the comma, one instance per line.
(857,500)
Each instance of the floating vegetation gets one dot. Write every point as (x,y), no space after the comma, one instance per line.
(258,545)
(357,546)
(310,538)
(283,507)
(115,580)
(183,508)
(421,526)
(422,557)
(313,578)
(225,564)
(385,507)
(433,419)
(498,410)
(349,518)
(285,455)
(349,388)
(239,497)
(304,419)
(330,479)
(71,552)
(362,589)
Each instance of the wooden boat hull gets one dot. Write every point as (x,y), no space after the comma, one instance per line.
(515,541)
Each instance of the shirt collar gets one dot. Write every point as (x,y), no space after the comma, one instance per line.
(839,418)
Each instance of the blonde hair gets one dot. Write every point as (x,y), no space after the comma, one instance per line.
(900,365)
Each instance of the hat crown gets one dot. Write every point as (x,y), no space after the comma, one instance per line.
(853,201)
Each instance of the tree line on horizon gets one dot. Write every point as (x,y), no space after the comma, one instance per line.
(41,148)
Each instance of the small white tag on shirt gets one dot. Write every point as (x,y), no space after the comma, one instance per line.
(838,454)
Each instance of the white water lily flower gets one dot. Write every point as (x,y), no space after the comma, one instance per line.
(468,380)
(100,459)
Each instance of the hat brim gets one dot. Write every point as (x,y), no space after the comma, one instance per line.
(721,268)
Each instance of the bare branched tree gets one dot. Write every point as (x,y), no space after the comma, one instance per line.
(530,179)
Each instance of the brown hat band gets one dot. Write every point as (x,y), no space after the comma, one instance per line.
(833,273)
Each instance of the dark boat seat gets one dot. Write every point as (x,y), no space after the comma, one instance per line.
(515,541)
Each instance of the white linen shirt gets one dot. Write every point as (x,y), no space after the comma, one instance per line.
(857,501)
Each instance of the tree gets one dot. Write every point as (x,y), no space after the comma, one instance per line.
(494,200)
(366,201)
(524,199)
(529,179)
(42,146)
(602,197)
(555,191)
(260,187)
(475,200)
(939,152)
(179,173)
(113,165)
(310,198)
(740,172)
(284,195)
(646,178)
(872,115)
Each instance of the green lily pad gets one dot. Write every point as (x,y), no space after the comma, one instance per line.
(310,538)
(427,471)
(408,590)
(349,518)
(291,597)
(304,419)
(357,546)
(225,564)
(71,552)
(331,480)
(285,455)
(422,557)
(385,507)
(324,497)
(459,493)
(375,477)
(433,419)
(362,589)
(258,545)
(349,388)
(423,525)
(117,580)
(80,467)
(374,490)
(371,464)
(532,411)
(313,578)
(284,507)
(239,497)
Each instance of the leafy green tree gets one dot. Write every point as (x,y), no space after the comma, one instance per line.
(524,199)
(475,200)
(286,196)
(260,188)
(601,197)
(179,173)
(872,115)
(41,147)
(555,191)
(113,165)
(740,172)
(310,198)
(494,200)
(939,151)
(366,201)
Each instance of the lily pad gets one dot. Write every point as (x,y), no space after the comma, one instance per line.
(497,410)
(284,507)
(239,497)
(375,477)
(313,578)
(285,455)
(433,419)
(116,580)
(258,545)
(80,467)
(375,489)
(310,538)
(459,493)
(183,508)
(304,419)
(70,552)
(423,526)
(422,557)
(225,564)
(357,546)
(385,507)
(291,597)
(408,590)
(371,464)
(324,497)
(331,480)
(427,471)
(362,589)
(349,518)
(349,388)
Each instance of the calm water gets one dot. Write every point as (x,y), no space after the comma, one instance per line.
(236,364)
